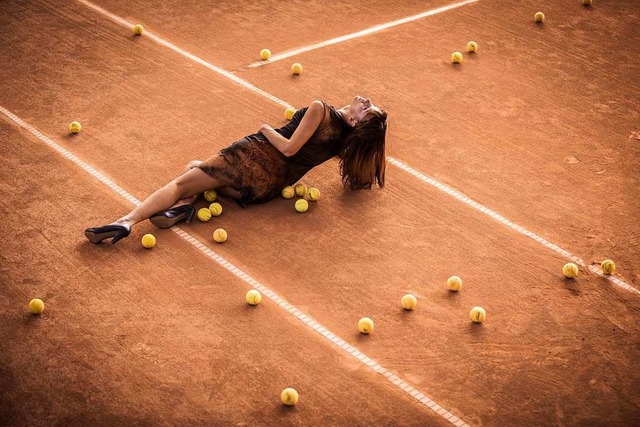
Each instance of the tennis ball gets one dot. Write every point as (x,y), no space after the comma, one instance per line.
(36,306)
(289,396)
(148,241)
(210,195)
(288,192)
(570,270)
(220,235)
(215,209)
(586,2)
(300,189)
(138,29)
(296,68)
(365,325)
(472,47)
(75,127)
(313,194)
(289,113)
(454,283)
(302,205)
(265,54)
(477,314)
(608,266)
(204,214)
(409,302)
(253,297)
(538,17)
(456,57)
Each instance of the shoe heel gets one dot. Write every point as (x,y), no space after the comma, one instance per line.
(190,214)
(119,235)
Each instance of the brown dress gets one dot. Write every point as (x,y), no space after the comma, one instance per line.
(259,171)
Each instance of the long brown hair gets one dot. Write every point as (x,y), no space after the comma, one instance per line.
(362,157)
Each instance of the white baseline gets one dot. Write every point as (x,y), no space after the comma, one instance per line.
(375,29)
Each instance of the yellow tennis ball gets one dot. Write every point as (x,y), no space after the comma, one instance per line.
(148,241)
(586,2)
(454,283)
(210,195)
(204,214)
(36,306)
(472,47)
(215,209)
(456,57)
(75,127)
(288,192)
(313,194)
(608,266)
(539,17)
(253,297)
(265,54)
(296,68)
(289,396)
(220,235)
(138,29)
(300,189)
(409,302)
(302,205)
(570,270)
(365,325)
(478,314)
(289,113)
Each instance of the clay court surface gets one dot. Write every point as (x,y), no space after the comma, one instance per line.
(541,126)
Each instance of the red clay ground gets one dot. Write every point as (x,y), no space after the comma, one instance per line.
(150,337)
(552,352)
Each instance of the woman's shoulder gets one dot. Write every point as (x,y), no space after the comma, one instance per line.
(316,106)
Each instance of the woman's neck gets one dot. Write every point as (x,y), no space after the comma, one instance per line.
(344,113)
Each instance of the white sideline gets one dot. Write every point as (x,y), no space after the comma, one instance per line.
(265,291)
(459,196)
(186,54)
(477,206)
(374,29)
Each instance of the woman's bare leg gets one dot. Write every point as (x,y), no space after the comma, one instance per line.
(190,184)
(229,192)
(189,200)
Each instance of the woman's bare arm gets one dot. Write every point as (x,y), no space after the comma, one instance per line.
(301,135)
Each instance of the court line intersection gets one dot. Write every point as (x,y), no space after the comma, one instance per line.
(423,177)
(307,320)
(366,32)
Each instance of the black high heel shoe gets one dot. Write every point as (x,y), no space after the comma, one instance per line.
(116,232)
(168,218)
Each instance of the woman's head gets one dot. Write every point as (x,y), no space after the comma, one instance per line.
(362,157)
(356,112)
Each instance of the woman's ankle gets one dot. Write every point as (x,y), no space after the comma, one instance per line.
(124,221)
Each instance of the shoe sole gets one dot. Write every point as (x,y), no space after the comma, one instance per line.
(164,222)
(99,237)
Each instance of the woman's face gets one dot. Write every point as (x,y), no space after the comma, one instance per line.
(360,107)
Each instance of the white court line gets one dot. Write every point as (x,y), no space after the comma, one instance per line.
(459,196)
(470,202)
(361,33)
(182,52)
(306,319)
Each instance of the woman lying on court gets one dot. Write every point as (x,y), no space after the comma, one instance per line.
(256,168)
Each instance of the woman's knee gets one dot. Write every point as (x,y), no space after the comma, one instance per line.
(193,182)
